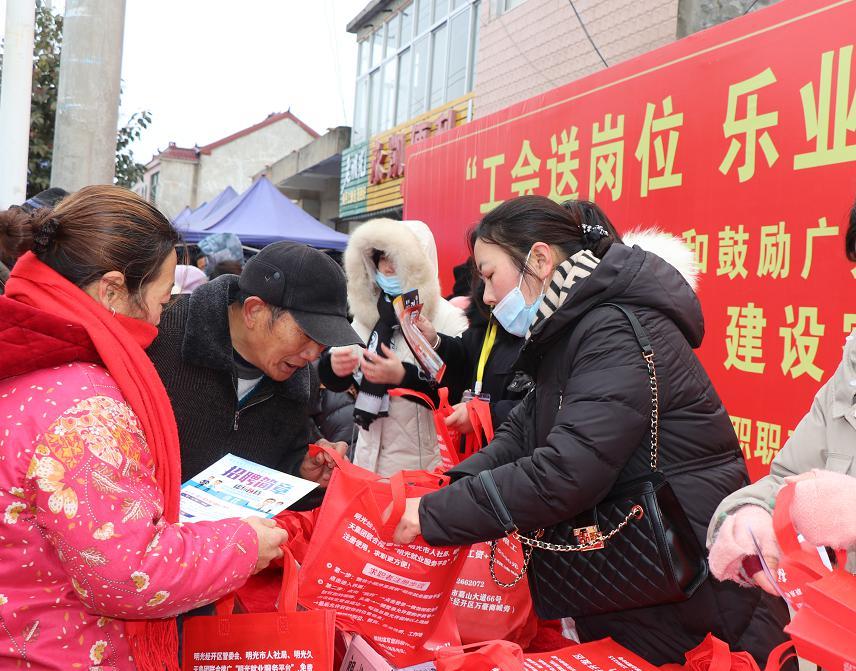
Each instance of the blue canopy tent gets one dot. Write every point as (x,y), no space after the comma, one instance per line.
(195,219)
(262,215)
(182,217)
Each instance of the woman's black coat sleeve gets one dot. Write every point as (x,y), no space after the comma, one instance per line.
(602,421)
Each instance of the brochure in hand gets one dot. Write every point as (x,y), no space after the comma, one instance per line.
(236,487)
(407,308)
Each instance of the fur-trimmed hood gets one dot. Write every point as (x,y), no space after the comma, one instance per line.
(410,246)
(661,276)
(672,249)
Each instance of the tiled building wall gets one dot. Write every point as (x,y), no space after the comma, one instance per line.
(539,44)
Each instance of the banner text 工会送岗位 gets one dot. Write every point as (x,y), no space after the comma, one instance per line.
(741,141)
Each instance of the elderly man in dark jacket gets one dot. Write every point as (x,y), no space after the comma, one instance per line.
(234,358)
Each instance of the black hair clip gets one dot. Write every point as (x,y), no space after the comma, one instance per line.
(592,235)
(594,232)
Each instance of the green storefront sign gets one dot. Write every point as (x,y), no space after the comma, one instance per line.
(353,187)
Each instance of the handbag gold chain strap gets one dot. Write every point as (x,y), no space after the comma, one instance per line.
(636,512)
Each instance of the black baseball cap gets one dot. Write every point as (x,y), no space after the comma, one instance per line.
(307,283)
(47,198)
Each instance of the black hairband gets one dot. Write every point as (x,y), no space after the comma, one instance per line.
(45,236)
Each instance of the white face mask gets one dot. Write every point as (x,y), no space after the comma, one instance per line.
(512,312)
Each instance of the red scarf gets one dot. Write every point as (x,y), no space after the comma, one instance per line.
(120,342)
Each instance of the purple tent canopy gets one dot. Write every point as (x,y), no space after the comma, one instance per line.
(262,215)
(182,217)
(194,220)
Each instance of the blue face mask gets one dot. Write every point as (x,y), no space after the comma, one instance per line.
(389,284)
(513,314)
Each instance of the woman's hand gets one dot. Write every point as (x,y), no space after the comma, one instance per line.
(427,328)
(270,538)
(386,369)
(408,527)
(343,361)
(733,555)
(459,420)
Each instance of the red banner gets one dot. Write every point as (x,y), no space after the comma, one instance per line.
(742,140)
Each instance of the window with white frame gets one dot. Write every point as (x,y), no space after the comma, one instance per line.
(153,187)
(419,58)
(510,4)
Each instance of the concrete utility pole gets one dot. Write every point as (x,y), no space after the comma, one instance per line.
(87,110)
(17,89)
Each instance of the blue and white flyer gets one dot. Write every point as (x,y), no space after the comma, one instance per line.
(236,487)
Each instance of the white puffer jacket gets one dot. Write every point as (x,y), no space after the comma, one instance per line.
(405,439)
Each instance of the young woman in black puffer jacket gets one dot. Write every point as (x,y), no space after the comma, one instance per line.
(547,272)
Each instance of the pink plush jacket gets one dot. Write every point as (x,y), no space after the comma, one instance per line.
(83,544)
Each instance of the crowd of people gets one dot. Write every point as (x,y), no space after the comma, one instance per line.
(129,364)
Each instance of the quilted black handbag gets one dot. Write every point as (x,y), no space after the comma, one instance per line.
(635,548)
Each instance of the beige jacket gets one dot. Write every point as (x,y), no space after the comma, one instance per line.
(405,439)
(825,439)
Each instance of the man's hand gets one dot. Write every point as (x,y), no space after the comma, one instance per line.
(320,467)
(386,369)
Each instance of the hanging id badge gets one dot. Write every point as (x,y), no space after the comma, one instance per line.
(487,346)
(470,394)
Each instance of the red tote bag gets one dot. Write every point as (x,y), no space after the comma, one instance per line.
(285,637)
(486,656)
(447,441)
(504,656)
(395,596)
(713,654)
(478,411)
(260,592)
(485,610)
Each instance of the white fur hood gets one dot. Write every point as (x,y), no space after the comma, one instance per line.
(410,246)
(672,249)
